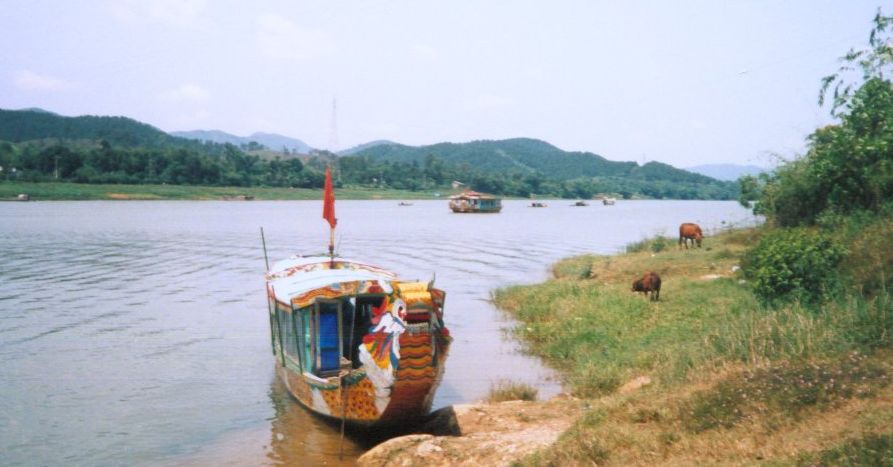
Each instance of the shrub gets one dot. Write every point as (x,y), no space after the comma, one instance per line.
(511,391)
(793,264)
(870,260)
(659,244)
(655,245)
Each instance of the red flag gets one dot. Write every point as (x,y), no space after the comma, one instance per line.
(328,206)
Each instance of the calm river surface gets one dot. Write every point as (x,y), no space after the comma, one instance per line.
(135,332)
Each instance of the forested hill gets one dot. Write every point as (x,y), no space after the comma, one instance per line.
(36,145)
(527,156)
(27,125)
(45,146)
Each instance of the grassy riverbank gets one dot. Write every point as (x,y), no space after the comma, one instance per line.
(723,379)
(82,191)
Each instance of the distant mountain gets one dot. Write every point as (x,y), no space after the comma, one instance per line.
(526,156)
(727,172)
(270,140)
(38,109)
(35,124)
(541,166)
(215,136)
(138,153)
(360,147)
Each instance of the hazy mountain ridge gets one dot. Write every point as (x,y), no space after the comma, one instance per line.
(528,156)
(360,147)
(272,141)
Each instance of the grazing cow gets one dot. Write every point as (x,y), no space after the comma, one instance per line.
(689,231)
(649,283)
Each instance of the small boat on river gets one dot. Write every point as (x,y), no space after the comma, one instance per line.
(352,341)
(609,201)
(537,204)
(20,197)
(580,204)
(474,202)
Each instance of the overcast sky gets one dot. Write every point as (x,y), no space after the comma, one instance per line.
(681,82)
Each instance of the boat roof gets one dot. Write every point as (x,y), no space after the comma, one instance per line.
(472,194)
(299,275)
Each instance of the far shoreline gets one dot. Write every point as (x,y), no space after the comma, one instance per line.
(64,191)
(67,191)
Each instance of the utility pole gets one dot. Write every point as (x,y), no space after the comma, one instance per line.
(333,128)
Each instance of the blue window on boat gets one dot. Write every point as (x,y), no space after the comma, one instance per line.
(328,338)
(307,341)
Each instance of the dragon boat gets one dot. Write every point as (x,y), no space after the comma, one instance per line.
(352,341)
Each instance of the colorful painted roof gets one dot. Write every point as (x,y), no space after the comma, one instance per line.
(472,195)
(297,276)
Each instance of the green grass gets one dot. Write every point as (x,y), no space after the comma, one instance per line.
(872,449)
(589,324)
(600,334)
(782,393)
(724,367)
(81,191)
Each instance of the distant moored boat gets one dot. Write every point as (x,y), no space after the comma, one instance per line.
(474,202)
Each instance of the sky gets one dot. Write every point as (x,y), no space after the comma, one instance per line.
(680,82)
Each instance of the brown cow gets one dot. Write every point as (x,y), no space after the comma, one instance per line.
(650,282)
(689,231)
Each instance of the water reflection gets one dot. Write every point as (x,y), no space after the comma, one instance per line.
(298,437)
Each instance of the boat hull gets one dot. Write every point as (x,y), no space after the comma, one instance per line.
(469,210)
(357,399)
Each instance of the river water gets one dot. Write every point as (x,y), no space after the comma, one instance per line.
(135,332)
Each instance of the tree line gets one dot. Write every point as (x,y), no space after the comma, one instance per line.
(104,163)
(228,165)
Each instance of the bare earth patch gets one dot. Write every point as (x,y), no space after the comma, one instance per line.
(491,434)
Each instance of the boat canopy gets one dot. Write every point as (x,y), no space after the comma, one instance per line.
(472,195)
(298,276)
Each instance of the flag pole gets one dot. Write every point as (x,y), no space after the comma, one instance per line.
(328,213)
(332,247)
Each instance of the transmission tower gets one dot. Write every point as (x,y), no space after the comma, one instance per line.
(333,128)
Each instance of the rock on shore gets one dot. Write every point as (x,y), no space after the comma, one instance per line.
(481,434)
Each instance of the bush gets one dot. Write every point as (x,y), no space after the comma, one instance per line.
(654,244)
(794,264)
(511,391)
(869,263)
